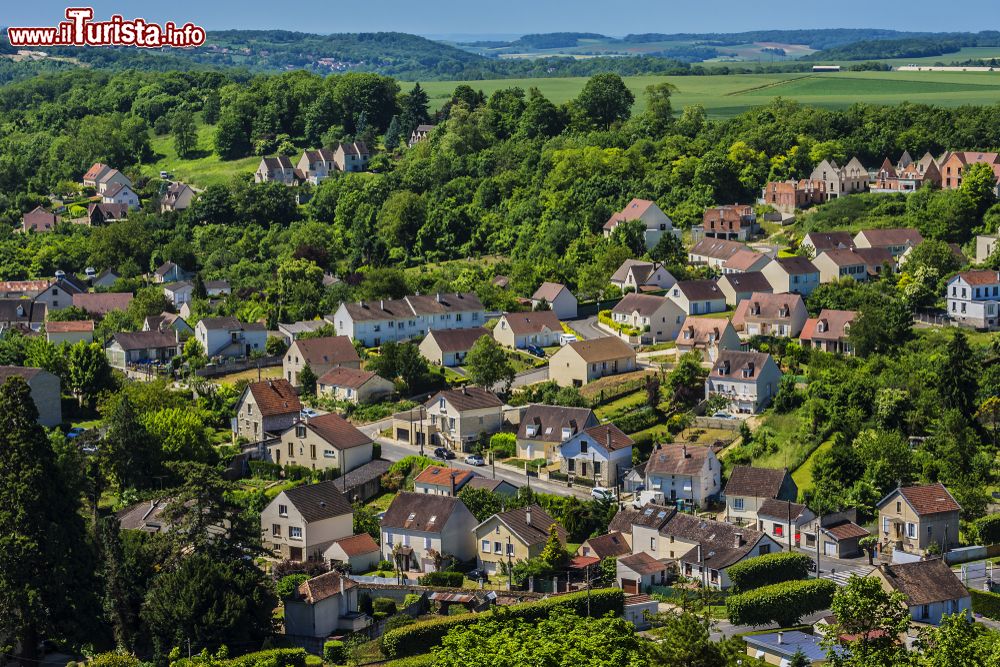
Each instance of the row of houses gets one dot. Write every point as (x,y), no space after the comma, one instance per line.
(314,166)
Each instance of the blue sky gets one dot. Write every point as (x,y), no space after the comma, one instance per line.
(486,17)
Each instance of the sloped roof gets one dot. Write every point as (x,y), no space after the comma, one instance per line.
(893,236)
(102,303)
(677,459)
(341,376)
(466,398)
(81,326)
(821,241)
(632,211)
(796,266)
(275,397)
(115,188)
(536,532)
(408,306)
(642,563)
(845,530)
(763,306)
(780,509)
(324,586)
(457,340)
(639,267)
(277,163)
(415,511)
(602,349)
(316,502)
(644,304)
(980,277)
(924,581)
(444,476)
(716,248)
(930,499)
(718,539)
(30,311)
(337,431)
(532,322)
(700,329)
(551,419)
(742,260)
(548,291)
(329,350)
(609,545)
(755,482)
(145,340)
(867,256)
(609,433)
(39,220)
(700,290)
(834,324)
(622,521)
(357,545)
(736,362)
(7,372)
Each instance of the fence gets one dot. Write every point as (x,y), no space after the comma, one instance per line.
(237,365)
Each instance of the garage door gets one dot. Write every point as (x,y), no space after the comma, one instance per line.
(630,586)
(402,434)
(830,549)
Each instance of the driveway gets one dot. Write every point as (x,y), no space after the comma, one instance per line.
(587,328)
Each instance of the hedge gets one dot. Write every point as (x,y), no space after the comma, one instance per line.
(276,657)
(636,421)
(768,569)
(422,637)
(335,652)
(988,529)
(783,603)
(604,317)
(986,603)
(448,579)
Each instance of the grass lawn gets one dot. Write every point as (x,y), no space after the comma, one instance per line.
(621,405)
(205,169)
(381,503)
(522,361)
(803,474)
(250,375)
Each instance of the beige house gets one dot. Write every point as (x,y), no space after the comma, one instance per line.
(852,178)
(583,361)
(178,197)
(714,252)
(748,488)
(739,286)
(45,388)
(830,331)
(792,274)
(519,330)
(360,553)
(70,332)
(859,263)
(657,318)
(930,587)
(302,522)
(698,297)
(321,443)
(817,242)
(912,518)
(985,245)
(771,315)
(896,240)
(557,297)
(689,474)
(323,606)
(266,407)
(544,427)
(353,386)
(321,354)
(420,529)
(708,336)
(512,536)
(636,275)
(749,381)
(454,419)
(442,481)
(449,347)
(277,168)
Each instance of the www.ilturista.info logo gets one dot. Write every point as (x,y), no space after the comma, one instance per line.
(80,30)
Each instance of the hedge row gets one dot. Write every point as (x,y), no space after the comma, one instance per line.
(449,579)
(988,529)
(422,637)
(986,603)
(768,569)
(604,317)
(636,421)
(276,657)
(783,603)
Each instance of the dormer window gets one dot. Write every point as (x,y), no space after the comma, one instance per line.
(567,433)
(532,430)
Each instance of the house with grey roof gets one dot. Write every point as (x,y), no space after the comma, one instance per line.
(140,348)
(45,392)
(228,337)
(557,298)
(277,168)
(301,522)
(419,529)
(544,427)
(377,322)
(698,297)
(684,473)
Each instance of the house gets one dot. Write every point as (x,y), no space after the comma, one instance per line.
(973,298)
(896,240)
(838,532)
(420,132)
(102,303)
(544,427)
(228,337)
(110,179)
(778,648)
(599,453)
(266,407)
(54,294)
(316,165)
(558,299)
(817,242)
(293,331)
(324,606)
(499,486)
(121,194)
(179,293)
(906,178)
(142,347)
(955,162)
(657,318)
(321,355)
(637,572)
(448,347)
(442,481)
(636,275)
(39,220)
(771,315)
(146,516)
(358,553)
(714,252)
(986,244)
(168,272)
(301,522)
(353,385)
(352,157)
(100,213)
(45,392)
(839,181)
(167,322)
(733,222)
(323,442)
(749,487)
(610,545)
(420,529)
(739,286)
(830,331)
(784,520)
(374,323)
(698,297)
(22,314)
(540,328)
(655,221)
(215,288)
(858,263)
(364,483)
(745,261)
(96,170)
(105,279)
(638,609)
(707,335)
(930,587)
(686,475)
(70,332)
(583,361)
(513,536)
(278,168)
(178,197)
(789,196)
(749,380)
(792,274)
(916,519)
(454,418)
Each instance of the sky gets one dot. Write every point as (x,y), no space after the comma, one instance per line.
(506,17)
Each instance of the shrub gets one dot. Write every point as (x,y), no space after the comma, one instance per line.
(422,636)
(297,472)
(335,652)
(986,603)
(385,606)
(504,445)
(385,565)
(783,603)
(277,657)
(639,420)
(988,529)
(605,318)
(426,660)
(288,585)
(411,598)
(365,604)
(768,569)
(265,470)
(449,579)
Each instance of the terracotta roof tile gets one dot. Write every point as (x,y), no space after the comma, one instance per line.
(610,545)
(642,563)
(930,499)
(357,545)
(444,476)
(924,582)
(324,586)
(275,397)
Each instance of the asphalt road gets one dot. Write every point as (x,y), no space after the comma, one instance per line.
(587,328)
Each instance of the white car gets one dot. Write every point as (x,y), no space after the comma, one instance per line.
(309,413)
(474,460)
(602,493)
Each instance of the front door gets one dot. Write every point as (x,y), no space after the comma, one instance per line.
(630,586)
(830,549)
(295,553)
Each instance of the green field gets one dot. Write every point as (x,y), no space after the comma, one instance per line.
(726,96)
(205,169)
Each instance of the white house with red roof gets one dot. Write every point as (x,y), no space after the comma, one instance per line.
(656,221)
(974,298)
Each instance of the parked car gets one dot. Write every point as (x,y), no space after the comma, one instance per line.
(535,350)
(723,415)
(309,413)
(566,338)
(443,453)
(475,460)
(75,432)
(602,493)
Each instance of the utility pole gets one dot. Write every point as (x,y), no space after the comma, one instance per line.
(819,531)
(510,572)
(788,506)
(587,569)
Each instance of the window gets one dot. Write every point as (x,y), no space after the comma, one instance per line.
(597,468)
(738,504)
(300,430)
(885,524)
(312,451)
(486,546)
(911,530)
(779,530)
(388,539)
(510,548)
(899,507)
(764,549)
(427,543)
(282,510)
(295,532)
(583,446)
(571,465)
(276,529)
(652,544)
(497,548)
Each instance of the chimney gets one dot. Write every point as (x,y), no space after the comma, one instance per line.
(684,449)
(453,494)
(381,304)
(781,637)
(739,540)
(609,439)
(341,584)
(527,516)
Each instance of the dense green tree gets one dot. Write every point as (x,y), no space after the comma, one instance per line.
(129,456)
(488,365)
(958,375)
(307,380)
(682,639)
(483,503)
(604,101)
(88,372)
(185,133)
(874,619)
